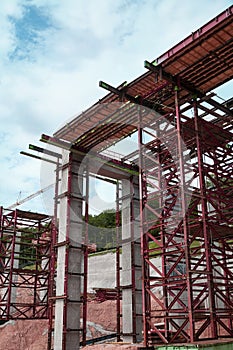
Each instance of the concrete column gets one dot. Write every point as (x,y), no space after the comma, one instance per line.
(131,263)
(69,259)
(15,266)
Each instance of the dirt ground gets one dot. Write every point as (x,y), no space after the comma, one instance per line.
(32,334)
(24,335)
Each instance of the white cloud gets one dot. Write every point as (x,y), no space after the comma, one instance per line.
(6,29)
(81,44)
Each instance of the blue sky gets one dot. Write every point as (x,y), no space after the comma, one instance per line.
(28,32)
(53,54)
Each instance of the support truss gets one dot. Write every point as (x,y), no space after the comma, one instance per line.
(25,250)
(187,225)
(182,180)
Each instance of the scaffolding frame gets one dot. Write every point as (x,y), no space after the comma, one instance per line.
(25,238)
(184,165)
(185,179)
(191,227)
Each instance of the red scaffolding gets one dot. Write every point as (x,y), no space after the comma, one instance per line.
(185,169)
(184,163)
(25,250)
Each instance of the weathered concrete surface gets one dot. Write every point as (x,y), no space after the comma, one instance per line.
(102,271)
(130,277)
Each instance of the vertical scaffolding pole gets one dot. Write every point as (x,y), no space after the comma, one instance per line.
(185,242)
(85,259)
(37,267)
(118,286)
(11,262)
(205,228)
(146,305)
(54,237)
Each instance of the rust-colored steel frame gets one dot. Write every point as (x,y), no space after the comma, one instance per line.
(185,181)
(53,259)
(118,264)
(188,203)
(25,238)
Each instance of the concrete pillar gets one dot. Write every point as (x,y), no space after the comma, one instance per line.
(15,266)
(131,263)
(69,258)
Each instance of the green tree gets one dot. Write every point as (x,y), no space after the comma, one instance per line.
(102,229)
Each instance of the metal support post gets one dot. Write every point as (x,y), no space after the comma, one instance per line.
(205,228)
(185,238)
(118,267)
